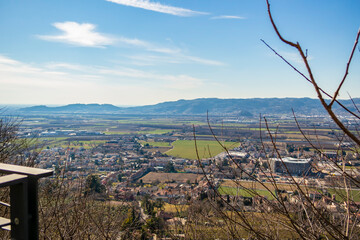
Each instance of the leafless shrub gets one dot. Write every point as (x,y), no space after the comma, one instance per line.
(67,213)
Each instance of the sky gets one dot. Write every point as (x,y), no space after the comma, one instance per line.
(141,52)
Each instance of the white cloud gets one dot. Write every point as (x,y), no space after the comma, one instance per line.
(228,17)
(165,54)
(151,60)
(293,57)
(176,58)
(158,7)
(183,82)
(80,34)
(164,50)
(133,42)
(203,61)
(84,35)
(7,61)
(20,74)
(147,45)
(60,82)
(170,81)
(64,66)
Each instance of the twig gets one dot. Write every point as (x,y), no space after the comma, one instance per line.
(347,69)
(314,83)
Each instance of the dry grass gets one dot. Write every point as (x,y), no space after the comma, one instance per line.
(172,208)
(257,185)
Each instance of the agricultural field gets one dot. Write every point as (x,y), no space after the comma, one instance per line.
(206,149)
(154,132)
(181,127)
(233,191)
(116,132)
(230,188)
(65,142)
(256,185)
(340,194)
(217,227)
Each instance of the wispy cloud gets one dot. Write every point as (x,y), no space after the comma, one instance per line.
(151,60)
(63,74)
(79,34)
(8,65)
(20,74)
(7,61)
(203,61)
(158,7)
(165,54)
(59,82)
(133,42)
(66,66)
(181,81)
(228,17)
(84,35)
(147,45)
(294,57)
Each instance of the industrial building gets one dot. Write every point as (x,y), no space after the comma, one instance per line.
(289,165)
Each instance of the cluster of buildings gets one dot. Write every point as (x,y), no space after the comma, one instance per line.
(129,170)
(56,133)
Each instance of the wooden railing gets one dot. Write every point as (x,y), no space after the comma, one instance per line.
(23,183)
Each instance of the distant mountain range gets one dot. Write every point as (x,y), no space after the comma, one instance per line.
(74,108)
(215,106)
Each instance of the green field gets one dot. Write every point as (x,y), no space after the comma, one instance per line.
(156,131)
(157,122)
(224,190)
(206,149)
(65,142)
(340,194)
(116,133)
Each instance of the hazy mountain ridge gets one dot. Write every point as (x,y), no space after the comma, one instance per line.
(200,106)
(75,108)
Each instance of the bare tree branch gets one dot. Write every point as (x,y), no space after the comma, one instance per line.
(347,69)
(312,79)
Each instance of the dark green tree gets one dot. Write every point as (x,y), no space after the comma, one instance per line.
(155,225)
(148,205)
(169,168)
(93,185)
(131,223)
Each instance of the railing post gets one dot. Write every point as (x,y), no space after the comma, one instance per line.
(33,208)
(19,211)
(28,202)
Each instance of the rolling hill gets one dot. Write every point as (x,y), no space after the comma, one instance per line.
(215,106)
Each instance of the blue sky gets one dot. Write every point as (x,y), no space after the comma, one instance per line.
(139,52)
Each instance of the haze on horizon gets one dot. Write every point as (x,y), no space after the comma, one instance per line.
(141,52)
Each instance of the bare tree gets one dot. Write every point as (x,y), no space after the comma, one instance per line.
(12,148)
(66,209)
(304,208)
